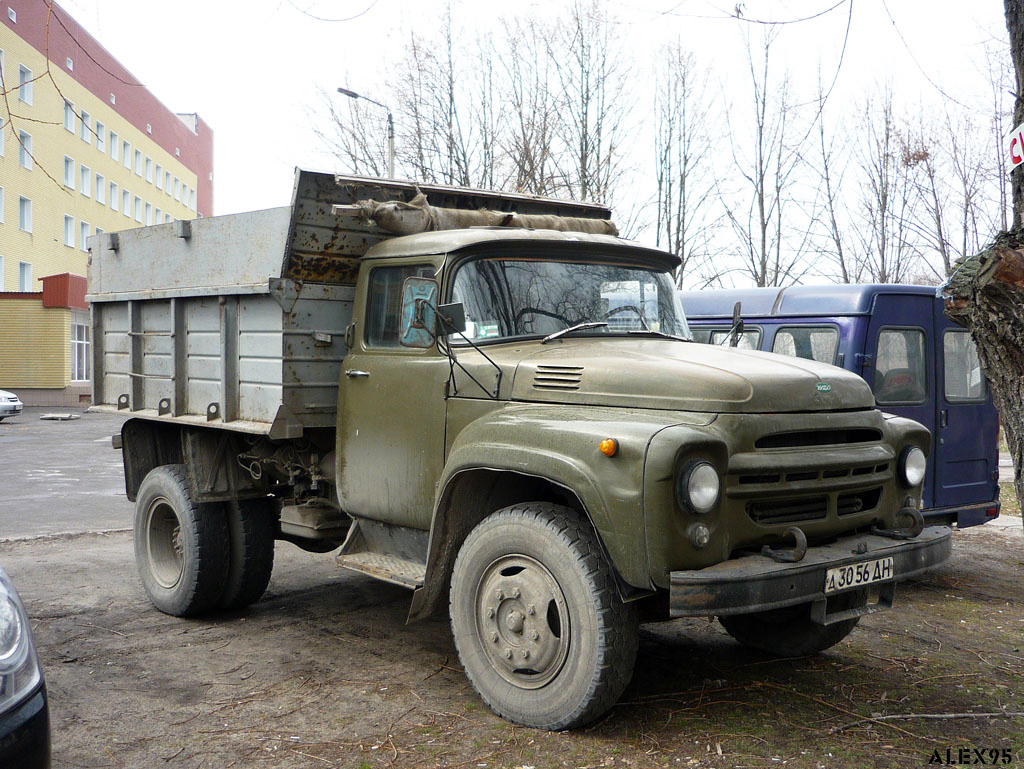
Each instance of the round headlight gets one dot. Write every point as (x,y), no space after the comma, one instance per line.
(698,487)
(913,464)
(11,630)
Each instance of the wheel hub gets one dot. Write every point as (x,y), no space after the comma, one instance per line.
(523,621)
(164,544)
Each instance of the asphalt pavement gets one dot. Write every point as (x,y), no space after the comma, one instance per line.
(60,477)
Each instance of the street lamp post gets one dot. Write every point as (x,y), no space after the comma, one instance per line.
(391,127)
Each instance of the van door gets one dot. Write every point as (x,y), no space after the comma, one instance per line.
(965,452)
(901,367)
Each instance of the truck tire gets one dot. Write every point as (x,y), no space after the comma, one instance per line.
(181,547)
(251,529)
(789,632)
(537,621)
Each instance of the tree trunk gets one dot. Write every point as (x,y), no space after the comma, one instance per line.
(986,296)
(1015,26)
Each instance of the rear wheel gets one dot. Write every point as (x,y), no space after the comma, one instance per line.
(251,531)
(181,547)
(789,632)
(537,620)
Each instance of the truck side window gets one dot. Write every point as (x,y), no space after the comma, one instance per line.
(810,342)
(900,366)
(384,303)
(963,377)
(750,339)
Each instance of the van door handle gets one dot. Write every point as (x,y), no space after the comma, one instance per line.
(943,418)
(354,373)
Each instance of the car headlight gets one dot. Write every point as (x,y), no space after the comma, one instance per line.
(19,667)
(912,466)
(698,487)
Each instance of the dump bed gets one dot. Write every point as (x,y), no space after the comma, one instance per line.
(239,321)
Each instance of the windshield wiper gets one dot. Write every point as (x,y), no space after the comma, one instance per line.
(661,334)
(578,327)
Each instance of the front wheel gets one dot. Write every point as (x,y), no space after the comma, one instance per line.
(789,632)
(538,623)
(181,547)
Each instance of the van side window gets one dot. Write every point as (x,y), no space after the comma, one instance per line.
(750,339)
(963,377)
(811,342)
(384,303)
(900,366)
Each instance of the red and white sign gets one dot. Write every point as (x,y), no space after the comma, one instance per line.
(1016,145)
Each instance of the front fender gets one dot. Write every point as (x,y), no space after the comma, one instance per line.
(562,445)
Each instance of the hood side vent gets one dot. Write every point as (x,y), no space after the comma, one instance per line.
(557,377)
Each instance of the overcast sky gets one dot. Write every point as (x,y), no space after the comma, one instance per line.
(252,70)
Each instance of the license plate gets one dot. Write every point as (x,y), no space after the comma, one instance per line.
(857,574)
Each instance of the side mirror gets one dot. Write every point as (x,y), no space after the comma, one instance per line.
(419,321)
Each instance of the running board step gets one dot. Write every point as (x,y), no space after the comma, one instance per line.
(390,568)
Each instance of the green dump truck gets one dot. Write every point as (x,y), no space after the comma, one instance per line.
(495,402)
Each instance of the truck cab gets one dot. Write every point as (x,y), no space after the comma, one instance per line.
(918,362)
(512,420)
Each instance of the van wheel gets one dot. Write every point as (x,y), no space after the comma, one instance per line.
(181,547)
(251,529)
(538,623)
(789,632)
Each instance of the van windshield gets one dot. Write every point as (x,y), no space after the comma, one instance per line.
(509,298)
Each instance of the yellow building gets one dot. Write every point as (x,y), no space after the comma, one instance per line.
(84,148)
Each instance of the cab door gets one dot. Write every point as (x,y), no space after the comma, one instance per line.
(391,410)
(965,452)
(900,364)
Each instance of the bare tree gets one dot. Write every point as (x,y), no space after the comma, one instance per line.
(887,195)
(685,216)
(759,222)
(593,73)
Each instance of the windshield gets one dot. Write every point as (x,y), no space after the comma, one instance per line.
(505,298)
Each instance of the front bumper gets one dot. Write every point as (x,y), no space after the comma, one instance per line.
(756,583)
(8,409)
(25,733)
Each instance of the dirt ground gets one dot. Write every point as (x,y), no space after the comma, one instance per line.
(324,672)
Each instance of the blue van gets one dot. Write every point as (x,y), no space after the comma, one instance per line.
(918,362)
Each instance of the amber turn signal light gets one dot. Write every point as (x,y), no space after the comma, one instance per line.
(609,447)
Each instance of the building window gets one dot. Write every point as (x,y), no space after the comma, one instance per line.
(83,233)
(25,150)
(79,352)
(138,162)
(149,214)
(138,209)
(157,213)
(101,190)
(69,172)
(167,218)
(86,176)
(167,182)
(126,203)
(113,146)
(69,231)
(126,154)
(113,196)
(70,63)
(192,199)
(149,170)
(12,15)
(24,214)
(159,177)
(69,116)
(24,276)
(177,189)
(101,137)
(184,194)
(1,222)
(85,128)
(25,84)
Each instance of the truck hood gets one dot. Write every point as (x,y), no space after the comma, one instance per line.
(669,374)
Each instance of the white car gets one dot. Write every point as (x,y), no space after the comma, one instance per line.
(10,405)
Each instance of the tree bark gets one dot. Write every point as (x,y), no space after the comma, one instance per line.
(986,295)
(1015,26)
